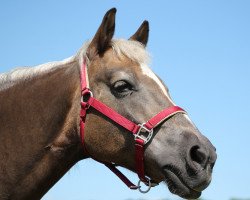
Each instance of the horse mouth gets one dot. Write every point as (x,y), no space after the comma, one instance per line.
(177,185)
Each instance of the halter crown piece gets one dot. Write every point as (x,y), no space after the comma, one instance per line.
(142,132)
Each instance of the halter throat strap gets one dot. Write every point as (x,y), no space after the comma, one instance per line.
(142,132)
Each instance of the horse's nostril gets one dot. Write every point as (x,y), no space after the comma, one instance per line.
(198,155)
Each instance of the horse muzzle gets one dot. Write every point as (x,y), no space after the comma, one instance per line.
(186,161)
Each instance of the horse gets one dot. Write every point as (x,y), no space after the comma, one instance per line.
(42,106)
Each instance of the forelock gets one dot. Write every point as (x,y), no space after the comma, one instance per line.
(131,49)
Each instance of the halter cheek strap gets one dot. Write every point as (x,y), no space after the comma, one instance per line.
(142,132)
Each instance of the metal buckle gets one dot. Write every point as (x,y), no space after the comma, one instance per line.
(144,130)
(148,184)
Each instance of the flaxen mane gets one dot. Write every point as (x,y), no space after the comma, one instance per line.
(131,49)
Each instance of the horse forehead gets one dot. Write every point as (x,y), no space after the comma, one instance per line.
(149,73)
(112,58)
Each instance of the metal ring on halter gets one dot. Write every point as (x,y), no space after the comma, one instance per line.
(144,191)
(84,93)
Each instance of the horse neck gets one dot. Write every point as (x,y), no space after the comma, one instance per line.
(39,139)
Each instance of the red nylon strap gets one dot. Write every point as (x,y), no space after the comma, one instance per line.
(139,159)
(163,115)
(83,114)
(113,115)
(84,76)
(121,176)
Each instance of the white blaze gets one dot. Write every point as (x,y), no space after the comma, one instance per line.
(148,72)
(187,117)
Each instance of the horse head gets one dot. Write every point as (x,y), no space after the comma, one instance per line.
(120,77)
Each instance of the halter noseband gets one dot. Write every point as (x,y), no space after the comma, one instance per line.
(87,101)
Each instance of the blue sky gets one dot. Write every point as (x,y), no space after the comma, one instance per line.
(201,49)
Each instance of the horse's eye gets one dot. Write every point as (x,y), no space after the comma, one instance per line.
(121,88)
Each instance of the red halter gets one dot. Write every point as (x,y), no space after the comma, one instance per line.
(135,129)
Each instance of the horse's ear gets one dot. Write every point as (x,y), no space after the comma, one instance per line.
(104,34)
(142,33)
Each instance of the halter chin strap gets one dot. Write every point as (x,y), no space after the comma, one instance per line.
(142,132)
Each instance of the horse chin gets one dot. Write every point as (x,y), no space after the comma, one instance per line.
(177,186)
